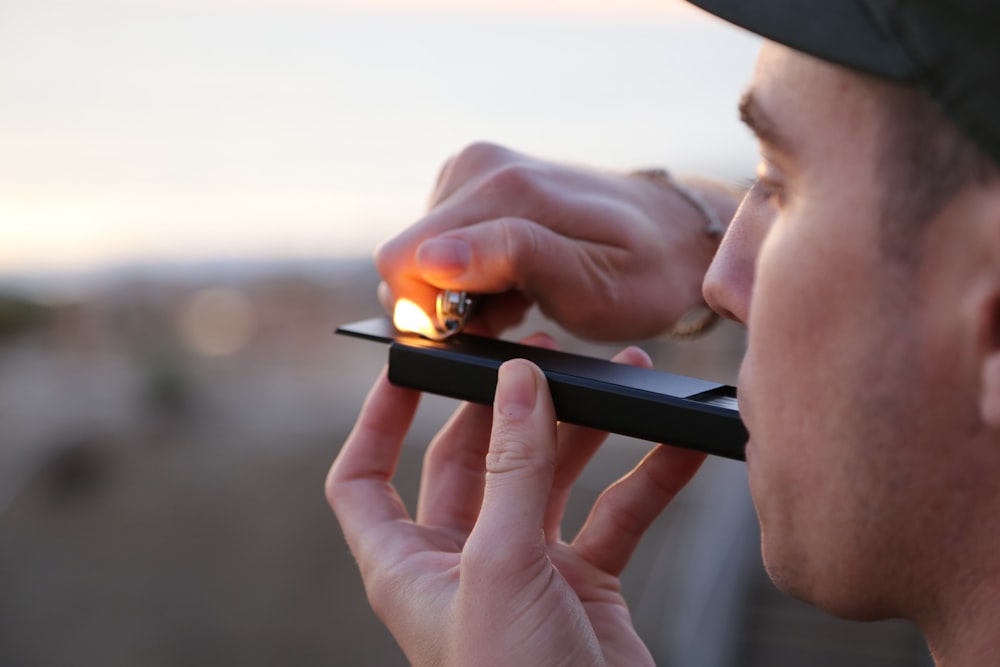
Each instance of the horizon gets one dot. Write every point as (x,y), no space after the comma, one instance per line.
(152,131)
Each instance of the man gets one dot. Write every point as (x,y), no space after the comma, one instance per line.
(865,262)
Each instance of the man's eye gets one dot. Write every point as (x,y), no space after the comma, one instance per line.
(768,191)
(768,187)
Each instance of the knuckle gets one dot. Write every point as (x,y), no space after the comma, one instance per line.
(520,242)
(520,180)
(511,452)
(630,523)
(624,520)
(479,155)
(507,459)
(665,481)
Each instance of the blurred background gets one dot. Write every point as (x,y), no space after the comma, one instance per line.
(189,194)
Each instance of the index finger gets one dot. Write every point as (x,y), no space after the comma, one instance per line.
(359,484)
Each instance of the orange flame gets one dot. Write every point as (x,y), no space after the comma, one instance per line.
(408,316)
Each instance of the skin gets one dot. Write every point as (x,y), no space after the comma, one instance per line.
(871,389)
(874,472)
(517,231)
(494,488)
(818,454)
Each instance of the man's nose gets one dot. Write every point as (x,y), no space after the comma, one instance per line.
(728,283)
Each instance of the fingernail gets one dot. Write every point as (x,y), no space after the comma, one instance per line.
(448,256)
(516,389)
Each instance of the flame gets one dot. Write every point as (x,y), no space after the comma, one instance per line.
(408,316)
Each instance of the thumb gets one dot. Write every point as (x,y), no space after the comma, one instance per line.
(520,467)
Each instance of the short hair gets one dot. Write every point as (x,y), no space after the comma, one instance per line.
(925,161)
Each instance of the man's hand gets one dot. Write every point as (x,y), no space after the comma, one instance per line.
(607,256)
(481,576)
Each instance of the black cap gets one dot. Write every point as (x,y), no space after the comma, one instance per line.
(950,48)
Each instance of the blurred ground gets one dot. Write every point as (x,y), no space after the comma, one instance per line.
(161,502)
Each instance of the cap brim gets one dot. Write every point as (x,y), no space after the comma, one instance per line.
(847,32)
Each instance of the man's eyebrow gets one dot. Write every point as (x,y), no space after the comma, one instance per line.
(762,125)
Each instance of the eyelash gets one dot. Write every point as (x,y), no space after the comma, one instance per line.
(768,190)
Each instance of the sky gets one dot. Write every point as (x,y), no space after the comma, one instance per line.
(147,130)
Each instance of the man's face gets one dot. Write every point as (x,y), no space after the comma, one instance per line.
(845,385)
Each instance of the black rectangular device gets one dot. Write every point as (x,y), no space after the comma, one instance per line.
(637,402)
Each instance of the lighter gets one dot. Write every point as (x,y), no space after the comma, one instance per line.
(452,310)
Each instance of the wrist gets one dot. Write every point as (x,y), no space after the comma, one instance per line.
(714,224)
(704,208)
